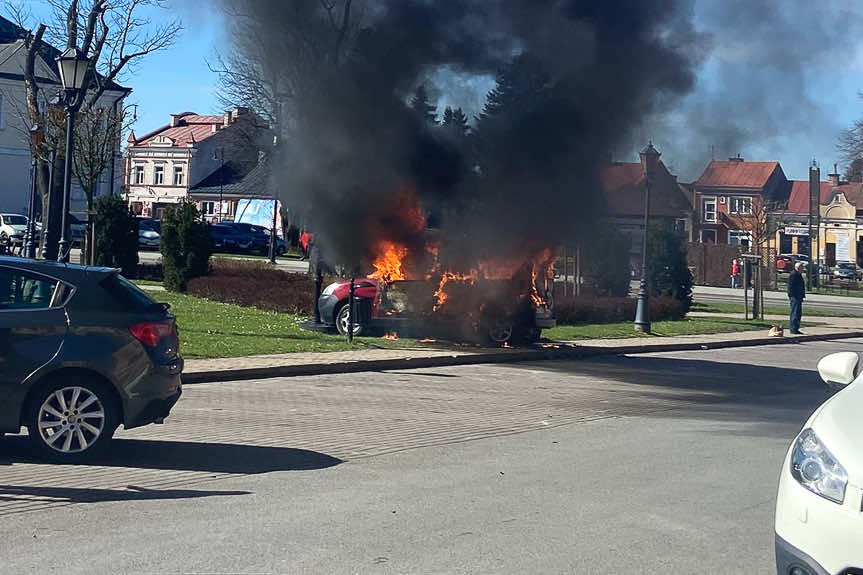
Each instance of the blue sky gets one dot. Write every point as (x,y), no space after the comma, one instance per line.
(798,96)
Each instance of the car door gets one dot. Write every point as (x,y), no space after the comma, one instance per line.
(33,325)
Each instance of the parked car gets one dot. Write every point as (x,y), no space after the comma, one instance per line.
(12,229)
(818,518)
(83,350)
(847,271)
(251,238)
(149,233)
(784,263)
(226,238)
(403,304)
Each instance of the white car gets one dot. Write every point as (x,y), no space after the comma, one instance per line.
(12,228)
(819,507)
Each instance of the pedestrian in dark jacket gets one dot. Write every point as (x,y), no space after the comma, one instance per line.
(796,295)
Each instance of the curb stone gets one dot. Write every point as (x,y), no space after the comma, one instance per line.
(565,351)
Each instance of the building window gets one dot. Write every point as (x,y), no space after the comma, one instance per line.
(708,236)
(178,175)
(208,208)
(680,225)
(740,238)
(139,174)
(158,175)
(708,208)
(741,205)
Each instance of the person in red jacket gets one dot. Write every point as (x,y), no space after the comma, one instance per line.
(735,273)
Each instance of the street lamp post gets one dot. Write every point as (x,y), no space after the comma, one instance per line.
(649,159)
(72,65)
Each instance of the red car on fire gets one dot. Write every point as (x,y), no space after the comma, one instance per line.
(500,311)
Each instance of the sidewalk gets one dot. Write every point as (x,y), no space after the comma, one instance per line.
(293,364)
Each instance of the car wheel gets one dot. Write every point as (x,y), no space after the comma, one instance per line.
(4,239)
(500,330)
(342,322)
(72,419)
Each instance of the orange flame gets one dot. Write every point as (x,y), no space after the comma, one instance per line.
(388,264)
(391,336)
(440,295)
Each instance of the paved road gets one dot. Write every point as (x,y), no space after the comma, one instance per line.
(660,463)
(840,304)
(155,257)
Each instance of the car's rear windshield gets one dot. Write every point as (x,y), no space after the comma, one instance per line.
(15,220)
(126,293)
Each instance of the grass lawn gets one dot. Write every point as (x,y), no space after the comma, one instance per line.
(212,329)
(147,282)
(660,328)
(850,289)
(769,310)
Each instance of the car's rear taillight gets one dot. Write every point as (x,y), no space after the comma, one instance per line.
(150,333)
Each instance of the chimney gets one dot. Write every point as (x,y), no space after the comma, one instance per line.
(175,120)
(649,160)
(240,112)
(736,159)
(215,128)
(834,177)
(227,118)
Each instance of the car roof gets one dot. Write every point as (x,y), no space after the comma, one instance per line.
(59,270)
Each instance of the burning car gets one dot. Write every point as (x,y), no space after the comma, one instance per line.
(463,307)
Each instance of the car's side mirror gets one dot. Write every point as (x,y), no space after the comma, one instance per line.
(839,369)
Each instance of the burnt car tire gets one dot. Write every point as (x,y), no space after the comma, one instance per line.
(342,322)
(72,419)
(499,331)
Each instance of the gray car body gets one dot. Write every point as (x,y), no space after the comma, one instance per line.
(86,333)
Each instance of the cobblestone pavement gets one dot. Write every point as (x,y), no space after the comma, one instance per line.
(224,429)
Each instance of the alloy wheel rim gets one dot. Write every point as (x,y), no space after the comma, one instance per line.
(343,320)
(71,419)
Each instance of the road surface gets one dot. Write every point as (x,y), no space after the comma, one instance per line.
(155,257)
(661,463)
(828,303)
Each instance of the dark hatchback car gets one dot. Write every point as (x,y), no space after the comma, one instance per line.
(82,351)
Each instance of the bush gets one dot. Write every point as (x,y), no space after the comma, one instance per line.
(583,309)
(116,235)
(667,269)
(185,245)
(256,284)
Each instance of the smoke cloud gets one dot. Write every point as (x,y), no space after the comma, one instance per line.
(351,147)
(770,87)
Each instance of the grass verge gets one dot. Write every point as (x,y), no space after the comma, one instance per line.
(212,329)
(692,326)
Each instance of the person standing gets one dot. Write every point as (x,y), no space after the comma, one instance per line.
(735,273)
(796,295)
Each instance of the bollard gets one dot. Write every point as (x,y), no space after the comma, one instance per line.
(351,312)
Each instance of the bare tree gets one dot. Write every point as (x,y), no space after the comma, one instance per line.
(114,36)
(250,77)
(758,222)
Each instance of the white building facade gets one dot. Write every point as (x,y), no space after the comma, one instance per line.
(15,159)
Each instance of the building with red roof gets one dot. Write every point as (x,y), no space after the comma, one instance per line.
(837,223)
(733,197)
(624,185)
(166,165)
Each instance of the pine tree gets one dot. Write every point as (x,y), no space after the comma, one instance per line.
(420,104)
(456,121)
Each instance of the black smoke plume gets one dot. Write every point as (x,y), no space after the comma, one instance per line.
(583,74)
